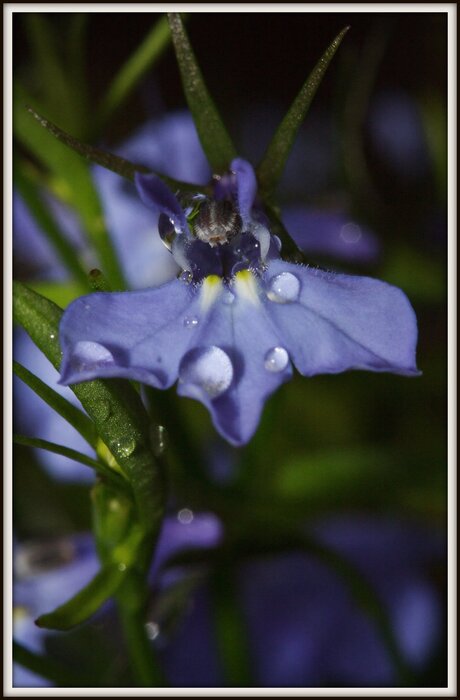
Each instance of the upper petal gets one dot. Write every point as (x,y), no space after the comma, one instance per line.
(156,195)
(246,187)
(337,322)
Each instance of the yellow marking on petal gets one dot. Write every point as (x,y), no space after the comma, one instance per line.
(246,286)
(210,290)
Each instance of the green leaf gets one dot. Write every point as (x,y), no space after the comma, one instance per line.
(99,468)
(48,225)
(114,406)
(72,175)
(68,411)
(61,293)
(47,668)
(107,160)
(213,135)
(134,69)
(86,602)
(271,168)
(58,93)
(231,634)
(98,282)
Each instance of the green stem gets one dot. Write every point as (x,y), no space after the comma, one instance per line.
(131,599)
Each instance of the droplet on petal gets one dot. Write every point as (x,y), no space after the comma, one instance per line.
(89,355)
(191,321)
(186,276)
(284,288)
(276,359)
(208,368)
(262,234)
(350,233)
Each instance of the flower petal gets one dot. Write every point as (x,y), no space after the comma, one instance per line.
(246,185)
(330,233)
(156,195)
(339,322)
(236,363)
(137,335)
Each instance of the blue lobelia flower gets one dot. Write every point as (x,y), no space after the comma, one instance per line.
(236,320)
(303,625)
(48,573)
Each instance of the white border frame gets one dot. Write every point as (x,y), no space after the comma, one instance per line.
(451,10)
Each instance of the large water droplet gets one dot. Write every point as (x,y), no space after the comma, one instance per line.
(126,447)
(191,321)
(276,359)
(159,439)
(284,288)
(209,368)
(89,355)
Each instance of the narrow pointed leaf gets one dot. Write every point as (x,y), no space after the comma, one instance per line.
(73,175)
(59,95)
(68,411)
(98,281)
(115,407)
(272,165)
(48,225)
(213,135)
(98,467)
(62,293)
(86,602)
(134,69)
(107,160)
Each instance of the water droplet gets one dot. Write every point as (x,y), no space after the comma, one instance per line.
(277,241)
(284,288)
(186,276)
(159,439)
(350,233)
(191,322)
(228,297)
(89,355)
(126,447)
(185,516)
(276,359)
(104,410)
(208,368)
(152,630)
(52,336)
(121,567)
(262,234)
(87,307)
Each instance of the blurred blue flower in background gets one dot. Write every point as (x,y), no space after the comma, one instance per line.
(48,573)
(304,628)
